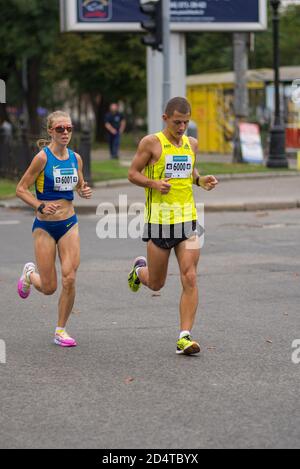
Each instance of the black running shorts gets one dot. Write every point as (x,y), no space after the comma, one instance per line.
(169,236)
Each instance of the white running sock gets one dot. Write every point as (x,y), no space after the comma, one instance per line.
(183,334)
(28,273)
(137,270)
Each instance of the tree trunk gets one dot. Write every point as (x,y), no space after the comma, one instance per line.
(100,108)
(3,113)
(241,98)
(32,95)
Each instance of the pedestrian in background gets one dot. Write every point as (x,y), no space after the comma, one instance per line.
(115,125)
(6,129)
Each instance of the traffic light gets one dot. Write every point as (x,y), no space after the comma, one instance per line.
(154,24)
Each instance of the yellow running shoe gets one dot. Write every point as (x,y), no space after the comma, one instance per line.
(134,282)
(187,346)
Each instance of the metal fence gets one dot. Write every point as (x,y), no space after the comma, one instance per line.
(17,151)
(15,154)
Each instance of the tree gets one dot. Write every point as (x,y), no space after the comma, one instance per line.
(106,67)
(289,40)
(212,52)
(209,52)
(28,31)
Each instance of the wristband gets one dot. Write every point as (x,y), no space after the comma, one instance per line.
(41,208)
(197,181)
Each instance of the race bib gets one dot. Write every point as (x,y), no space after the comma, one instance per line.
(65,179)
(178,167)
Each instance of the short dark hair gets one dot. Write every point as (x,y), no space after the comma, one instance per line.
(178,104)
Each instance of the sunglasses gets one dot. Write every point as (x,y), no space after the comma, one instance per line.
(61,128)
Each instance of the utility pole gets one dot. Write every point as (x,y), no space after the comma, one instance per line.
(241,99)
(166,52)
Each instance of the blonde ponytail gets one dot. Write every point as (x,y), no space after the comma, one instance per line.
(43,142)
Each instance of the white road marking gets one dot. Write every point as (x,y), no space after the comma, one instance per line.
(10,222)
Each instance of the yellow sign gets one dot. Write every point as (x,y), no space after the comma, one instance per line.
(298,160)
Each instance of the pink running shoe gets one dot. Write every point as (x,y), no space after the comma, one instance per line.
(24,281)
(64,340)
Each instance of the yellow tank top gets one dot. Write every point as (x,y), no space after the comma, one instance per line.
(178,205)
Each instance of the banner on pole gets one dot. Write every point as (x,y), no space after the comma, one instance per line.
(251,146)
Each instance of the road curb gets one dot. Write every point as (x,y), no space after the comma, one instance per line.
(111,183)
(220,177)
(209,208)
(252,206)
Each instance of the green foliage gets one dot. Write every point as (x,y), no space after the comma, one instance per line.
(28,30)
(108,170)
(289,41)
(94,64)
(209,52)
(7,188)
(110,65)
(106,64)
(231,168)
(28,27)
(289,37)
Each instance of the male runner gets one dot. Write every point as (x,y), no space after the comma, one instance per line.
(165,166)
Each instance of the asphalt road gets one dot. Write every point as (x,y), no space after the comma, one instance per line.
(124,386)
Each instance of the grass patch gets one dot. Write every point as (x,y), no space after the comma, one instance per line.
(129,141)
(107,170)
(7,188)
(233,168)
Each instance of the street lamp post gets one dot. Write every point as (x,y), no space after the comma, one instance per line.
(277,156)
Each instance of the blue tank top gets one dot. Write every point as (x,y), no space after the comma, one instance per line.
(58,179)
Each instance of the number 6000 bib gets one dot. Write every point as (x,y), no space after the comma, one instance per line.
(178,167)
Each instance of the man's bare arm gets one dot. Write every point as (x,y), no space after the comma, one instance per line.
(194,145)
(140,161)
(206,182)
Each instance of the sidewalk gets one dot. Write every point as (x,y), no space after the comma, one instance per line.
(240,193)
(127,155)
